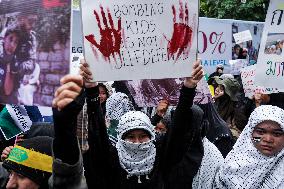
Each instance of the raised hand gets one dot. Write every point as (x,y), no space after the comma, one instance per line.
(86,73)
(111,39)
(182,35)
(162,107)
(196,75)
(71,86)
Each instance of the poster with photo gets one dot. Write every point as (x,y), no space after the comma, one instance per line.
(34,49)
(148,93)
(130,40)
(252,46)
(270,66)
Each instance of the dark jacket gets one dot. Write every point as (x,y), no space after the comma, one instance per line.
(177,161)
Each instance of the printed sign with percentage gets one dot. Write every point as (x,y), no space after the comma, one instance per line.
(214,44)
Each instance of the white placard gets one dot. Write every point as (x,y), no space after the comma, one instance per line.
(270,66)
(237,65)
(248,80)
(215,44)
(128,40)
(242,36)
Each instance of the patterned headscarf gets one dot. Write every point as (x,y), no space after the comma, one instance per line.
(211,162)
(117,105)
(245,166)
(136,158)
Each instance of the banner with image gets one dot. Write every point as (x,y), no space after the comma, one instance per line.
(34,49)
(148,93)
(270,66)
(129,40)
(252,46)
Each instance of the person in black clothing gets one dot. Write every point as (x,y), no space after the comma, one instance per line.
(218,73)
(217,130)
(173,163)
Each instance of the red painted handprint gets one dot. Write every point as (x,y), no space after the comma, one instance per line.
(182,35)
(110,37)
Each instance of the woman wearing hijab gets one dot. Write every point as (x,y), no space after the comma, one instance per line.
(257,158)
(136,162)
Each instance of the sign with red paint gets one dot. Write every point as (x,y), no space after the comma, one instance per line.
(248,80)
(270,63)
(128,40)
(215,44)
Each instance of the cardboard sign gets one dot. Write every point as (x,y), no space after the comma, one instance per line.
(148,93)
(129,40)
(242,37)
(237,65)
(31,68)
(270,66)
(248,80)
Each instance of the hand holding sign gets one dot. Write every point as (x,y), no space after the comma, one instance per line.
(110,37)
(182,35)
(86,73)
(196,76)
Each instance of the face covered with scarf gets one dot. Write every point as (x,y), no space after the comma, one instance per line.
(135,146)
(257,158)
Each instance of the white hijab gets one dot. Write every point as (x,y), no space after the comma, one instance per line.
(136,158)
(211,162)
(245,166)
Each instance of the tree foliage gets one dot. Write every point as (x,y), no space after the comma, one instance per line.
(253,10)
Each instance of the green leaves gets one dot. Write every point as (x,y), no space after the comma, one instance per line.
(254,10)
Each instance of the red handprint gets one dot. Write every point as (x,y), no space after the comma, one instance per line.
(182,35)
(110,37)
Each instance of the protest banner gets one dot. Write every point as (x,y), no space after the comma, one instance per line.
(248,80)
(256,29)
(215,44)
(15,119)
(148,93)
(237,65)
(270,66)
(30,68)
(128,40)
(242,37)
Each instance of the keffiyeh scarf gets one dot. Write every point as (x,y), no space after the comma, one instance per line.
(136,158)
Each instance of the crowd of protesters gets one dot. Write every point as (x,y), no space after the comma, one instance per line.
(99,139)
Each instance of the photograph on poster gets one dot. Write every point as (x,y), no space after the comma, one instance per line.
(34,50)
(274,43)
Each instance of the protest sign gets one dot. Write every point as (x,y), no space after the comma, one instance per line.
(256,29)
(242,37)
(270,66)
(77,40)
(128,40)
(237,65)
(148,93)
(30,68)
(16,119)
(215,44)
(248,80)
